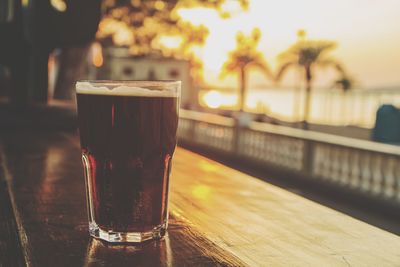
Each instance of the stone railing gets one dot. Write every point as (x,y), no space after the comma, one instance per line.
(365,166)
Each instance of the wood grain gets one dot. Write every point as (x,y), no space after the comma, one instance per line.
(46,181)
(10,249)
(220,217)
(264,225)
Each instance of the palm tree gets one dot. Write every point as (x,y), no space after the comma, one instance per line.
(344,83)
(142,21)
(307,55)
(245,55)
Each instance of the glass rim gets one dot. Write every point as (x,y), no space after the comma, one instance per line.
(139,83)
(149,88)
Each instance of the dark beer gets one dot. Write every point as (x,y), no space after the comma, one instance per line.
(127,146)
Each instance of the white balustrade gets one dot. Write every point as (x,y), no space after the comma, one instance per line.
(359,165)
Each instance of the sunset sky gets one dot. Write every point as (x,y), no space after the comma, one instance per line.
(367,32)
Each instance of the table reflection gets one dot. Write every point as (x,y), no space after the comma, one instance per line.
(153,253)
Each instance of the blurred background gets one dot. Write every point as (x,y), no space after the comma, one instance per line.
(304,94)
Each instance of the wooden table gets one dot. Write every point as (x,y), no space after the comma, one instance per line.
(219,217)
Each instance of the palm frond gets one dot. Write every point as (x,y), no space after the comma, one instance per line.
(331,62)
(229,67)
(283,68)
(246,54)
(344,83)
(264,67)
(306,52)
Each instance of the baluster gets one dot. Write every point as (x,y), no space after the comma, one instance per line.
(285,142)
(237,142)
(206,129)
(271,149)
(365,172)
(251,144)
(220,134)
(210,135)
(186,130)
(287,154)
(204,132)
(280,152)
(345,166)
(290,159)
(275,149)
(217,138)
(229,142)
(226,139)
(280,145)
(377,175)
(325,160)
(335,165)
(198,134)
(317,166)
(260,146)
(254,145)
(263,147)
(211,138)
(355,169)
(222,138)
(257,146)
(267,148)
(299,154)
(388,177)
(397,179)
(248,142)
(214,136)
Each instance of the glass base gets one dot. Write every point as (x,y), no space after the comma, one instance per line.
(127,237)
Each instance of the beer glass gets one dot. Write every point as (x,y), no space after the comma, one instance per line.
(128,137)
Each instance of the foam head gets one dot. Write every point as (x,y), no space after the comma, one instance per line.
(130,88)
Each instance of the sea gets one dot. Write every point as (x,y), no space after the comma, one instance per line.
(356,107)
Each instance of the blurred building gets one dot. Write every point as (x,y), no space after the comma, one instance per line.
(119,64)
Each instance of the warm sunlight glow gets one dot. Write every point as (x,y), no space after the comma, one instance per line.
(231,7)
(59,5)
(159,5)
(213,99)
(97,55)
(367,35)
(218,43)
(120,31)
(123,36)
(216,99)
(171,42)
(373,32)
(208,167)
(201,192)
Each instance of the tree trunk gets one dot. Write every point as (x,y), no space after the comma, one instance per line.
(307,102)
(242,96)
(38,80)
(297,98)
(72,63)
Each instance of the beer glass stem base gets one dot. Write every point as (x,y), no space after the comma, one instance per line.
(127,237)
